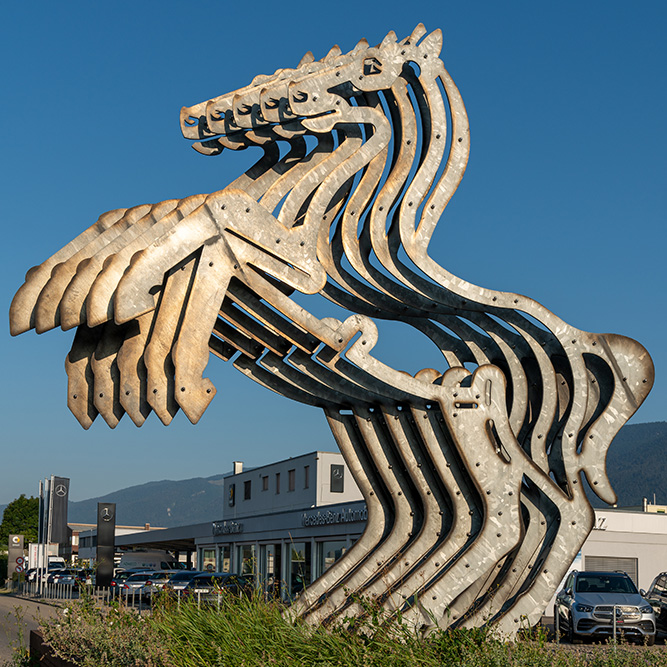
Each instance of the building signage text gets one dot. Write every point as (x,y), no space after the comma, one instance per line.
(328,517)
(227,527)
(600,523)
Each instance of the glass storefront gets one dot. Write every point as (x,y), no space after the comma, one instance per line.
(270,575)
(225,559)
(299,567)
(207,560)
(266,562)
(329,553)
(246,559)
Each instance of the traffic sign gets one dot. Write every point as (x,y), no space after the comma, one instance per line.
(20,560)
(18,568)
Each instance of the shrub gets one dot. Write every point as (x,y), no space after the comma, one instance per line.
(91,636)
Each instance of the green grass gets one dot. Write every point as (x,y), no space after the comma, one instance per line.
(253,632)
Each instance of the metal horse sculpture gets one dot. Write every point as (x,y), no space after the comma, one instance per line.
(473,480)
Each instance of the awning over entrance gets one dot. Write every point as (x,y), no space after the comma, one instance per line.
(181,538)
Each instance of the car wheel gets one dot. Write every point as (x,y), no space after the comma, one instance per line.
(572,636)
(650,640)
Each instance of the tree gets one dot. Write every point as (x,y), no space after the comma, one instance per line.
(21,517)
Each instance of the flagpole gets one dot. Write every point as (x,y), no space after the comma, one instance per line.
(40,536)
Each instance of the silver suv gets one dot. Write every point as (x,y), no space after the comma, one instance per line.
(589,601)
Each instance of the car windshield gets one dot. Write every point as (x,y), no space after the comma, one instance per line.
(137,577)
(600,583)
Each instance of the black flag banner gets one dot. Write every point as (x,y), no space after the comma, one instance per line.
(106,535)
(58,518)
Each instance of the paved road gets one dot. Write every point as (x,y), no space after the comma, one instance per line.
(9,625)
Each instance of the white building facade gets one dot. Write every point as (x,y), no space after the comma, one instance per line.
(287,522)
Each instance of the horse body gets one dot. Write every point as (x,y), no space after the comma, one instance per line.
(473,480)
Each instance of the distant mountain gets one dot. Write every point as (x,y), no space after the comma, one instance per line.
(166,503)
(636,464)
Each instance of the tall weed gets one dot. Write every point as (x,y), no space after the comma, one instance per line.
(253,632)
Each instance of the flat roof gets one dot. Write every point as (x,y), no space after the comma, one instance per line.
(180,538)
(276,463)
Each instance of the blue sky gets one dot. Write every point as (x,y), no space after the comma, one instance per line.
(564,198)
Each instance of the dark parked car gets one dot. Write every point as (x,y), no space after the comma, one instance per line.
(657,596)
(84,575)
(54,567)
(210,586)
(180,580)
(590,601)
(63,576)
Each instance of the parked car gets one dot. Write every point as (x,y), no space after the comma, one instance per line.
(157,582)
(64,576)
(209,586)
(179,580)
(53,569)
(589,601)
(134,585)
(657,597)
(121,576)
(84,575)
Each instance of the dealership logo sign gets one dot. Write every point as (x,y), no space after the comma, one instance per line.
(227,527)
(106,514)
(346,515)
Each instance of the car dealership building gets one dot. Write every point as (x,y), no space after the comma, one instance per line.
(289,521)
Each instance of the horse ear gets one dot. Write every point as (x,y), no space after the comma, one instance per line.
(432,44)
(362,45)
(416,35)
(307,58)
(390,38)
(334,53)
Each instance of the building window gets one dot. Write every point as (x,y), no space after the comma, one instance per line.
(306,477)
(291,480)
(232,495)
(246,559)
(247,490)
(208,560)
(225,559)
(265,483)
(337,478)
(277,482)
(299,567)
(329,553)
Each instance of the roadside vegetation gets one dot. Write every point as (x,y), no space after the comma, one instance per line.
(253,633)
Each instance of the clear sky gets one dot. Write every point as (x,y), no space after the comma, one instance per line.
(564,199)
